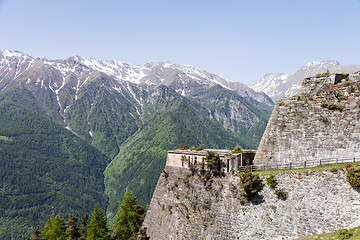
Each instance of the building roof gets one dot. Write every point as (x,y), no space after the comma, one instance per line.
(220,152)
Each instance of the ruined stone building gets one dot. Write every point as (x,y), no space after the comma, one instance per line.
(229,162)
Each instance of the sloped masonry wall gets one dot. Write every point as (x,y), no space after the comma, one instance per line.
(185,207)
(322,122)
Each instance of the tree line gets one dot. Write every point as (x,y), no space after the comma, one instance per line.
(128,224)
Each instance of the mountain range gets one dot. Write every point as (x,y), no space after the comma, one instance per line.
(282,85)
(79,131)
(126,116)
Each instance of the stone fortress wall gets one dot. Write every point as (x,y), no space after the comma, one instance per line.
(322,122)
(318,201)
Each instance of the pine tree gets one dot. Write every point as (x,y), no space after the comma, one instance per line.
(250,183)
(54,229)
(47,228)
(83,220)
(129,217)
(212,161)
(35,233)
(97,229)
(72,230)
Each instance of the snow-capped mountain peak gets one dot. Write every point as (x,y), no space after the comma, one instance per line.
(7,54)
(281,85)
(119,70)
(327,63)
(185,79)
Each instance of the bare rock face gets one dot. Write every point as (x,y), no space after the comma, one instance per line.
(185,206)
(319,123)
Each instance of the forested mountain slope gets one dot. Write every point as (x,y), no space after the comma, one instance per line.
(142,157)
(131,114)
(45,170)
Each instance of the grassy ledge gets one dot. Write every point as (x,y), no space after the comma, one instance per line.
(322,167)
(350,234)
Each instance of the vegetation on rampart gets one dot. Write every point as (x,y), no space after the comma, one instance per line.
(194,148)
(342,234)
(325,74)
(353,176)
(250,184)
(271,181)
(332,106)
(237,149)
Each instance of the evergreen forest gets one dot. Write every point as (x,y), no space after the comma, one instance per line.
(62,155)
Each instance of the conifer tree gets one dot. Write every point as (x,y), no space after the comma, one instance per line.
(35,233)
(54,229)
(97,229)
(129,217)
(83,220)
(47,228)
(250,183)
(212,161)
(72,231)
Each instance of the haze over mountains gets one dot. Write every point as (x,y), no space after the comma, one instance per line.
(282,85)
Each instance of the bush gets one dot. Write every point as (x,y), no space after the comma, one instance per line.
(281,193)
(271,181)
(184,146)
(353,176)
(232,189)
(207,177)
(331,106)
(327,73)
(344,234)
(250,184)
(324,104)
(199,148)
(237,149)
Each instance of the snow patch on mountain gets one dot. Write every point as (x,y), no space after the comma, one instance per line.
(119,70)
(281,85)
(183,78)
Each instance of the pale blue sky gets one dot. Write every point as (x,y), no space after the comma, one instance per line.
(240,40)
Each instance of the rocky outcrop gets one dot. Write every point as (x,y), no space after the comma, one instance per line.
(185,206)
(319,123)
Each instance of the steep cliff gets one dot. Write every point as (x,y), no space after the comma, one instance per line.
(319,123)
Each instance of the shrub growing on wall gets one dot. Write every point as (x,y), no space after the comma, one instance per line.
(237,149)
(281,193)
(250,184)
(353,176)
(271,181)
